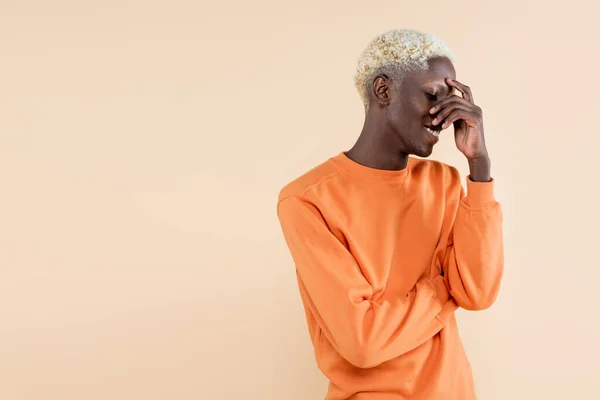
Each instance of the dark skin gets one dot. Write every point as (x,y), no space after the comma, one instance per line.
(395,124)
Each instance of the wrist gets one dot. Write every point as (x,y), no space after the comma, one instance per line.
(480,168)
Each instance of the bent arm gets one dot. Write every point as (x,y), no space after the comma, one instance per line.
(363,331)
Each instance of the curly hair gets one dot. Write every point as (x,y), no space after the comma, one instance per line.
(394,53)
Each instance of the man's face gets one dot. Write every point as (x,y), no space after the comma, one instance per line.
(408,111)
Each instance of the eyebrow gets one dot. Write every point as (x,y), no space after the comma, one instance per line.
(447,88)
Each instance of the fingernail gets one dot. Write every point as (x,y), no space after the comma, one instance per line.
(432,109)
(435,121)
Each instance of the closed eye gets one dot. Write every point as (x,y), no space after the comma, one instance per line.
(431,96)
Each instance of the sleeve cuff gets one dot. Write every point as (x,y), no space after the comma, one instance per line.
(480,194)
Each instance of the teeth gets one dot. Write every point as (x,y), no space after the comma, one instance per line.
(434,133)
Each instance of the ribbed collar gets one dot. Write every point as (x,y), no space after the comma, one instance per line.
(368,174)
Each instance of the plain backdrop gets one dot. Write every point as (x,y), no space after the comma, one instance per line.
(142,148)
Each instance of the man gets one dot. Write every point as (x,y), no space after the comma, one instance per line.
(387,246)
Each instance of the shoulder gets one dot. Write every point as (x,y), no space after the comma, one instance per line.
(316,176)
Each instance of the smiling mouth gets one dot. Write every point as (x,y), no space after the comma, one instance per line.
(431,131)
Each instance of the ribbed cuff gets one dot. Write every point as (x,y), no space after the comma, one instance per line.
(480,194)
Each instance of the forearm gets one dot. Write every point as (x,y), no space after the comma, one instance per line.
(368,333)
(474,262)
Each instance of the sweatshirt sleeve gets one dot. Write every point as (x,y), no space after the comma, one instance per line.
(364,331)
(474,260)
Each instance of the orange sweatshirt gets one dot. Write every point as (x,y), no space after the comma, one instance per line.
(383,259)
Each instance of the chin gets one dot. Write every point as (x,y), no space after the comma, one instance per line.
(423,152)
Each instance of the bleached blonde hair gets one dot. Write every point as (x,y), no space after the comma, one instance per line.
(394,53)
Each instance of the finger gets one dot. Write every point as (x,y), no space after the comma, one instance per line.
(445,112)
(464,89)
(456,115)
(449,100)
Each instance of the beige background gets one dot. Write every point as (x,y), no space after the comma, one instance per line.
(142,147)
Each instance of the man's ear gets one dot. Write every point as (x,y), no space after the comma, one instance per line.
(381,90)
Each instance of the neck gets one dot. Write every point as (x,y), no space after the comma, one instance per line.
(378,146)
